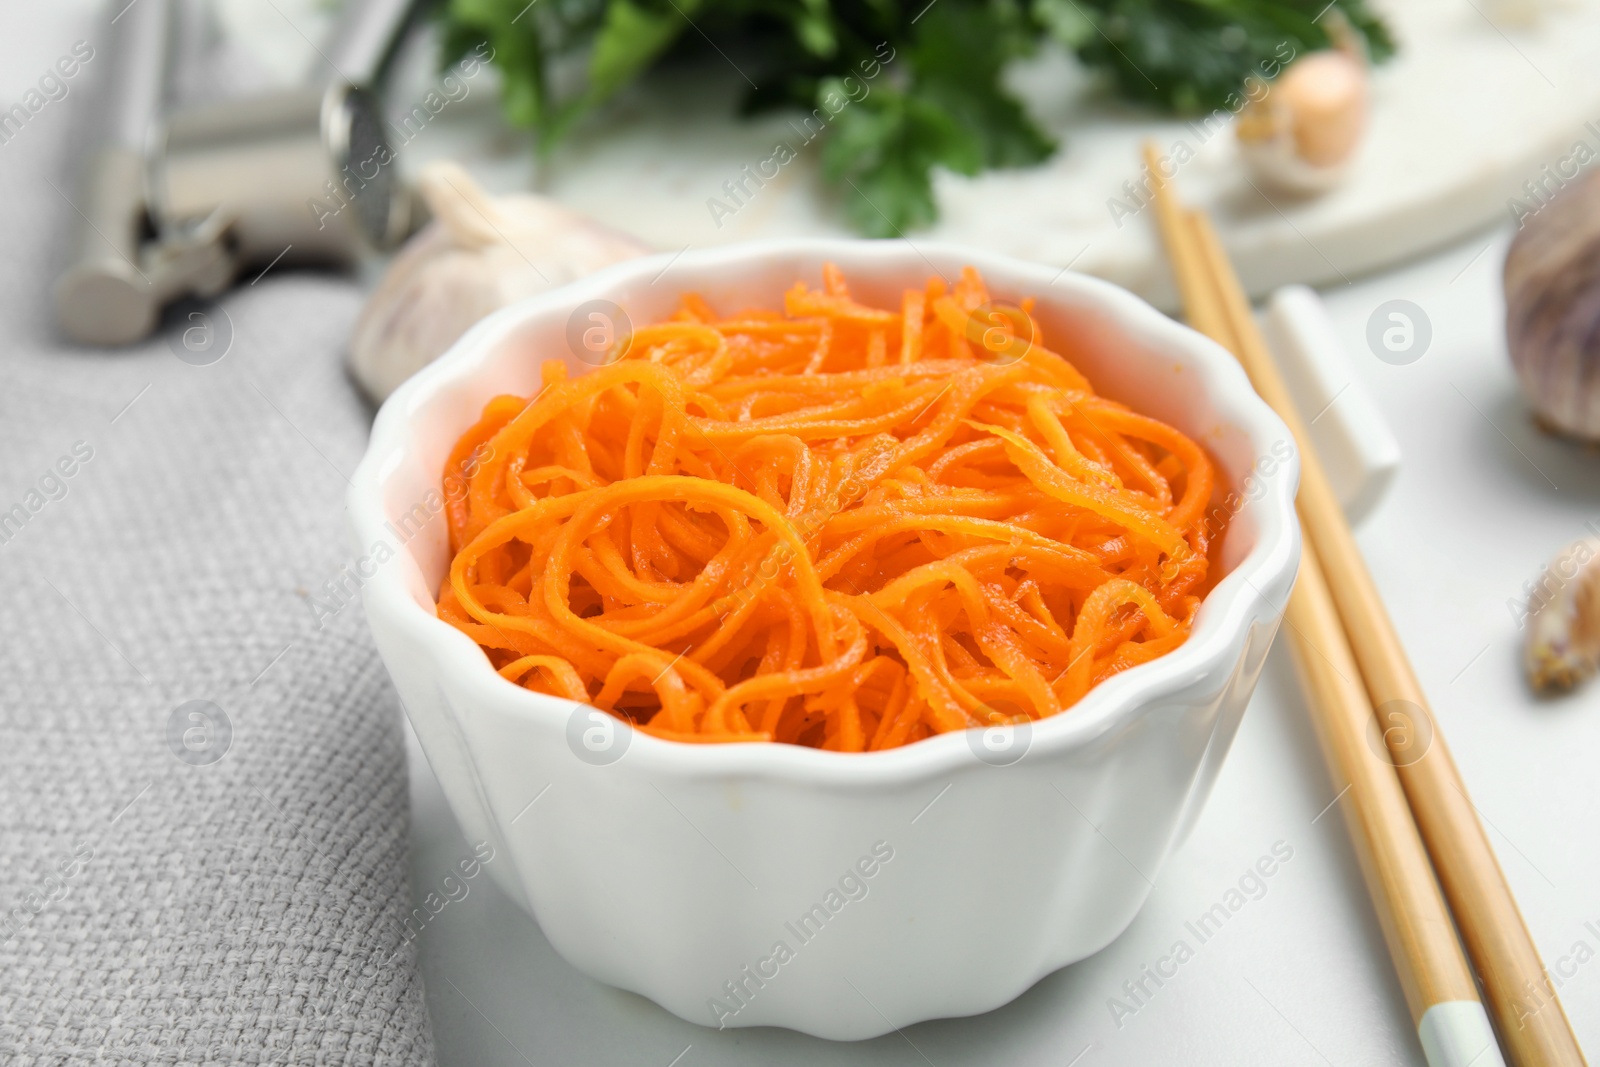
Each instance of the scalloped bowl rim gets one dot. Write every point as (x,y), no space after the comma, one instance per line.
(1213,644)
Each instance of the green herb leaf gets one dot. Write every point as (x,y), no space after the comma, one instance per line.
(927,78)
(885,149)
(630,39)
(517,50)
(1192,56)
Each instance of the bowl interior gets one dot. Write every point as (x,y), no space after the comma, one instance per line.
(1128,351)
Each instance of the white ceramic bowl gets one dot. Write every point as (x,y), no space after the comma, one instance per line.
(840,895)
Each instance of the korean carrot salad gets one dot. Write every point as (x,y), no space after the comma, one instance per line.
(833,525)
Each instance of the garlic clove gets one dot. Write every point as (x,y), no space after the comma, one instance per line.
(479,254)
(1520,14)
(1552,290)
(1302,134)
(419,310)
(1328,94)
(1562,647)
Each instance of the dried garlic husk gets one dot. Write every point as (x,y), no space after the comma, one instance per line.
(1563,643)
(1520,14)
(479,254)
(1552,284)
(1302,134)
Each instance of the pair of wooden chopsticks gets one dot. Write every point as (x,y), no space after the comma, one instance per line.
(1410,807)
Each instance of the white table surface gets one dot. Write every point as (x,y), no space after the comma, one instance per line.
(1301,975)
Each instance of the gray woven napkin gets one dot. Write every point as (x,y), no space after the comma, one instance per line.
(203,812)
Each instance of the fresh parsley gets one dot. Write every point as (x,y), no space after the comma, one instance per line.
(936,101)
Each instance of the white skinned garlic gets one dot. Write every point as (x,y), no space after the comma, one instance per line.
(479,254)
(1552,287)
(1303,132)
(1563,622)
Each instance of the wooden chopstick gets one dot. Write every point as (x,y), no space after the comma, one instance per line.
(1411,910)
(1416,924)
(1532,1023)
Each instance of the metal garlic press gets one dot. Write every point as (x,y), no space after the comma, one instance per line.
(174,205)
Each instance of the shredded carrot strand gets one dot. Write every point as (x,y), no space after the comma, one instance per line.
(836,525)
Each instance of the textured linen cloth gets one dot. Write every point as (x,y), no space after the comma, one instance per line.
(210,883)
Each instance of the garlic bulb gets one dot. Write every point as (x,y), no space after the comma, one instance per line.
(1552,285)
(1563,623)
(479,254)
(1303,132)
